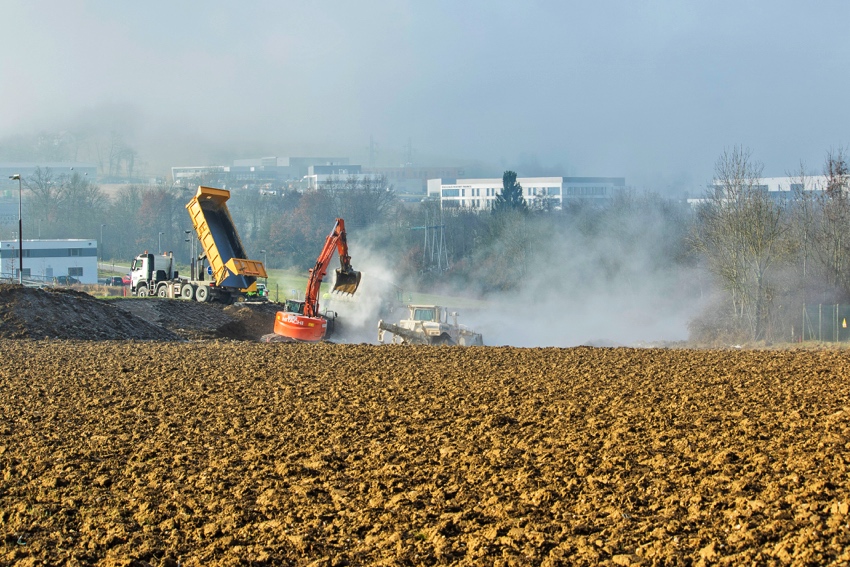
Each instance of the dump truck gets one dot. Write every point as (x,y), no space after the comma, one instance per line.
(302,320)
(220,273)
(429,325)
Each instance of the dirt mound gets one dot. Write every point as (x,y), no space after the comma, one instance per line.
(67,314)
(195,321)
(239,453)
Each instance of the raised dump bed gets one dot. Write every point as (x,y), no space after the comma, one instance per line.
(220,241)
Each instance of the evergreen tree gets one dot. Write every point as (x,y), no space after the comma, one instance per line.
(510,199)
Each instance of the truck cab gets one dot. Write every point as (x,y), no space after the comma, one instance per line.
(150,274)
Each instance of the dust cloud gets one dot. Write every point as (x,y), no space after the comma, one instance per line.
(625,282)
(376,296)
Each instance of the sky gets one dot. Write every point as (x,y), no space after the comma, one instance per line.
(652,91)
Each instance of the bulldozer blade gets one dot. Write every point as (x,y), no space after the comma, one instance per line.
(346,282)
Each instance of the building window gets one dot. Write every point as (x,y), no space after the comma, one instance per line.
(75,252)
(796,187)
(451,192)
(75,271)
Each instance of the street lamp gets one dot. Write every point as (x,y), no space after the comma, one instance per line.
(101,242)
(190,247)
(20,228)
(265,264)
(160,243)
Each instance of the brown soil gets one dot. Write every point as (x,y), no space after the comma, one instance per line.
(68,314)
(227,453)
(195,321)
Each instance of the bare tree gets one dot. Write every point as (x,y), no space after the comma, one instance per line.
(45,200)
(831,243)
(364,201)
(739,231)
(83,205)
(803,215)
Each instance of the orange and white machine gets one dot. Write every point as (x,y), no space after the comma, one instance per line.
(301,320)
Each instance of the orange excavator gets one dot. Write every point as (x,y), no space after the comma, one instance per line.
(301,320)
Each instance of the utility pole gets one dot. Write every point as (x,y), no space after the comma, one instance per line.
(20,228)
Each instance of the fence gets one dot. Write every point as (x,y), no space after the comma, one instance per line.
(826,323)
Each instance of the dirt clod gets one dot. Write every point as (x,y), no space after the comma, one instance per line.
(224,452)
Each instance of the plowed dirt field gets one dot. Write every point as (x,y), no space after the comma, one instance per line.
(229,453)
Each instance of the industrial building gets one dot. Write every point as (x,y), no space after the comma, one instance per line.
(553,192)
(780,189)
(255,171)
(57,169)
(411,182)
(45,260)
(270,173)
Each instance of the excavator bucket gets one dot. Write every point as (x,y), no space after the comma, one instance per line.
(346,282)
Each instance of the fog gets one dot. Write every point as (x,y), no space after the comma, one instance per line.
(652,91)
(574,304)
(623,279)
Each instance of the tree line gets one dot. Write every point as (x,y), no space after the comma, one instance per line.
(756,259)
(770,257)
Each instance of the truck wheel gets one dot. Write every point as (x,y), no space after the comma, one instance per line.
(187,292)
(163,292)
(142,292)
(202,294)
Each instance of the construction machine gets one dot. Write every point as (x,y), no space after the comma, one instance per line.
(220,273)
(429,325)
(302,320)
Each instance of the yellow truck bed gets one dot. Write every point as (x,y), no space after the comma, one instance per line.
(220,241)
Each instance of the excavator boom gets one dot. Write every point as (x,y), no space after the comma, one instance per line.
(302,321)
(347,279)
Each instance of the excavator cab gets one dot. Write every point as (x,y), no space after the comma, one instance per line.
(294,306)
(347,281)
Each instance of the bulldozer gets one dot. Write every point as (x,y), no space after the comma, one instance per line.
(429,325)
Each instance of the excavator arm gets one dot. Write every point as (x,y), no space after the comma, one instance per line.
(347,279)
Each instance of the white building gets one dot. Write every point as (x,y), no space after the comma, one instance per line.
(323,175)
(185,174)
(778,188)
(48,259)
(480,194)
